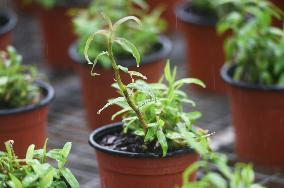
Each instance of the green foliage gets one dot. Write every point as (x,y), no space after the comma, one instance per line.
(34,171)
(222,177)
(143,37)
(152,111)
(256,47)
(48,4)
(161,105)
(17,81)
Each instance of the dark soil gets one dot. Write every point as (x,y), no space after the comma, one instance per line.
(129,143)
(3,21)
(203,13)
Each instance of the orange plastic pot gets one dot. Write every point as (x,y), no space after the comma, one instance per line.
(57,33)
(205,54)
(257,114)
(125,169)
(169,12)
(97,90)
(8,21)
(26,125)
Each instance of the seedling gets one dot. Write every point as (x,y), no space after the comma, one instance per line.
(152,111)
(34,171)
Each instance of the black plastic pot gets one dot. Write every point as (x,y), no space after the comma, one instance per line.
(97,90)
(205,55)
(8,22)
(48,96)
(186,14)
(125,169)
(257,113)
(26,125)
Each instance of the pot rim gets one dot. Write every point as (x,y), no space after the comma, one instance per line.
(192,18)
(12,21)
(166,49)
(226,74)
(118,125)
(49,92)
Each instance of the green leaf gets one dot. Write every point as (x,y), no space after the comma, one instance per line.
(70,178)
(15,182)
(89,41)
(112,102)
(126,19)
(47,180)
(124,69)
(167,72)
(96,61)
(129,47)
(120,112)
(142,87)
(29,179)
(217,180)
(163,141)
(30,153)
(183,81)
(139,132)
(151,133)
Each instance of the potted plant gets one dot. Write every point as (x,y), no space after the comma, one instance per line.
(205,56)
(216,173)
(150,148)
(35,169)
(56,28)
(8,21)
(168,13)
(153,47)
(23,103)
(255,83)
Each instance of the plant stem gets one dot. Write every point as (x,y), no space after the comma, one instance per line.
(123,87)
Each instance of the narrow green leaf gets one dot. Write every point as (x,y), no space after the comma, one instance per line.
(163,141)
(70,178)
(129,47)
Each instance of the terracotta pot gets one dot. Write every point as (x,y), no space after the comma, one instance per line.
(257,113)
(205,53)
(8,21)
(57,33)
(169,12)
(26,125)
(125,169)
(97,90)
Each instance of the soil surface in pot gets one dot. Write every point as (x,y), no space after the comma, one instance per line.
(129,142)
(201,13)
(3,21)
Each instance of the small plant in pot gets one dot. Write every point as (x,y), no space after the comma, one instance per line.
(8,21)
(216,173)
(255,82)
(154,50)
(156,140)
(199,20)
(35,169)
(56,28)
(23,103)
